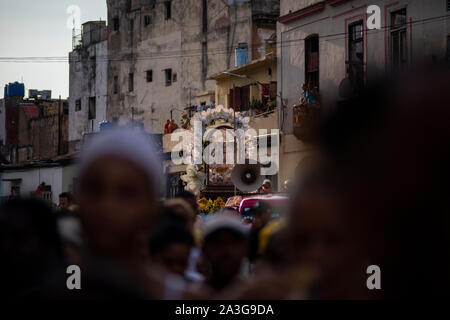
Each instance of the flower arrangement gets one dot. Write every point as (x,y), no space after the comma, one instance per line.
(194,179)
(210,116)
(208,206)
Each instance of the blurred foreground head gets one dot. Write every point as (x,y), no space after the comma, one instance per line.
(31,250)
(381,198)
(118,190)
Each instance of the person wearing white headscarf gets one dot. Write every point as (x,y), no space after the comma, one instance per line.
(118,195)
(130,143)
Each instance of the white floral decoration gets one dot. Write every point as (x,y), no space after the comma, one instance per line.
(195,179)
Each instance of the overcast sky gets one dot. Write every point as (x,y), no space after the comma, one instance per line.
(38,28)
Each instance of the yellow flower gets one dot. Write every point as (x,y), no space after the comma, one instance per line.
(202,202)
(218,203)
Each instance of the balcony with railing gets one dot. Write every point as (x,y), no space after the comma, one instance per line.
(306,114)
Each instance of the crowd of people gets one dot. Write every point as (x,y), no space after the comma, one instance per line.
(376,196)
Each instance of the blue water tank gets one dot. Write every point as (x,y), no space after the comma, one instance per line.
(105,125)
(241,56)
(15,89)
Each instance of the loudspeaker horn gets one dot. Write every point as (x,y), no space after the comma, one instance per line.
(247,177)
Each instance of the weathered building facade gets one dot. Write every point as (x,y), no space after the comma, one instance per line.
(23,180)
(88,83)
(34,129)
(161,53)
(2,122)
(328,44)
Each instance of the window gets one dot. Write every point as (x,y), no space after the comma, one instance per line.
(399,49)
(131,82)
(448,48)
(78,105)
(205,17)
(150,76)
(312,60)
(92,108)
(131,33)
(15,189)
(116,23)
(355,61)
(147,20)
(448,5)
(168,74)
(116,84)
(239,98)
(174,77)
(93,65)
(168,9)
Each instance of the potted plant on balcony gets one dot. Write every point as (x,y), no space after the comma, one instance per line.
(257,106)
(271,104)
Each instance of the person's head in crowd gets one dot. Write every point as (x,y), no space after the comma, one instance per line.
(170,247)
(65,200)
(275,253)
(180,209)
(31,251)
(118,190)
(262,213)
(225,247)
(191,199)
(266,186)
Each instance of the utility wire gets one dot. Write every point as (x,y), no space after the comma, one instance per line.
(198,52)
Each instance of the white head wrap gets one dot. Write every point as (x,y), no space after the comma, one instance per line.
(130,143)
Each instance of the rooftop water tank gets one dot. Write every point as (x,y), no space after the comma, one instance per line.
(105,125)
(15,89)
(241,54)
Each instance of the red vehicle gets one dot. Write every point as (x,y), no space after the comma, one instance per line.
(278,204)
